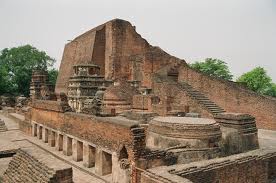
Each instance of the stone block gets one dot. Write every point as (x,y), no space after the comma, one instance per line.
(59,142)
(89,155)
(67,146)
(34,129)
(45,135)
(39,130)
(52,139)
(77,150)
(103,163)
(239,132)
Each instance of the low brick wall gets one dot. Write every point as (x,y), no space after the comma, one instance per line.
(29,165)
(255,166)
(111,133)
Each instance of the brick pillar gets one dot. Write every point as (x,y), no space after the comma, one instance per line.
(52,139)
(59,142)
(103,163)
(77,150)
(88,155)
(67,146)
(45,134)
(34,129)
(39,129)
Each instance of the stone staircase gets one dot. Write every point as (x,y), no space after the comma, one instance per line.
(201,98)
(3,127)
(28,169)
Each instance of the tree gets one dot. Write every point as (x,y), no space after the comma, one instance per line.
(213,67)
(53,73)
(17,64)
(258,81)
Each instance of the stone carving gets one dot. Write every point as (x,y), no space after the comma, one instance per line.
(124,164)
(85,89)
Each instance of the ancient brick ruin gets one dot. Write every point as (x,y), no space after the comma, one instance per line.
(131,112)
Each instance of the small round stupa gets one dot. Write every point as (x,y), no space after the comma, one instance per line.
(166,132)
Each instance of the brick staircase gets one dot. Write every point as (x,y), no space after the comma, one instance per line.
(3,127)
(201,98)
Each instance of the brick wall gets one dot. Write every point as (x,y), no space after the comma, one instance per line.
(233,97)
(173,98)
(251,167)
(80,51)
(120,52)
(272,169)
(123,54)
(110,132)
(253,171)
(26,167)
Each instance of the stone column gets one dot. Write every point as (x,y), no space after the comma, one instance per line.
(103,163)
(52,139)
(45,134)
(77,150)
(120,171)
(59,142)
(34,129)
(67,146)
(88,155)
(39,129)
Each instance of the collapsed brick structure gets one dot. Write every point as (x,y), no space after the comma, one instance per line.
(30,166)
(124,56)
(40,88)
(147,115)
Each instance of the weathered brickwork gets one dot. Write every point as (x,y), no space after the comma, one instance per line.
(172,98)
(127,55)
(123,54)
(248,167)
(136,114)
(31,168)
(233,97)
(86,127)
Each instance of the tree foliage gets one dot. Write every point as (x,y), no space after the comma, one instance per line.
(258,81)
(53,73)
(16,65)
(213,67)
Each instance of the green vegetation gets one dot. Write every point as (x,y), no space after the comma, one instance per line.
(53,73)
(16,65)
(258,81)
(213,67)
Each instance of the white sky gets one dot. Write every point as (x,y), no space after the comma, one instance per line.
(240,32)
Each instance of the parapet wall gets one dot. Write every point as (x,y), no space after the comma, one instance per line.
(233,97)
(255,166)
(109,132)
(30,166)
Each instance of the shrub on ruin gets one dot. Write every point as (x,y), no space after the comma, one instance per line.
(259,81)
(213,67)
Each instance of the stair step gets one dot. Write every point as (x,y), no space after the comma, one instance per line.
(217,111)
(202,99)
(210,105)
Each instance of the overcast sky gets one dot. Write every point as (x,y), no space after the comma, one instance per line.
(240,32)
